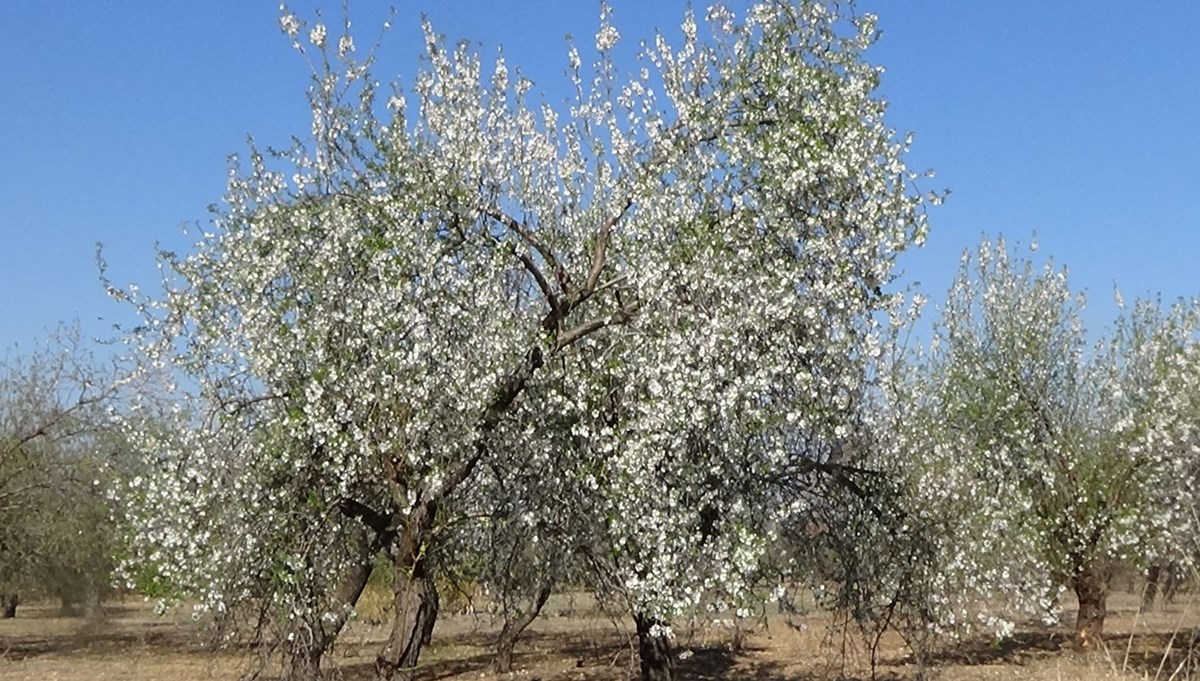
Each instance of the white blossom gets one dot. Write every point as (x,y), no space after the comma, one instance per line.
(317,35)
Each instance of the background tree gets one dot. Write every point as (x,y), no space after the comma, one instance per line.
(1039,446)
(59,462)
(1149,367)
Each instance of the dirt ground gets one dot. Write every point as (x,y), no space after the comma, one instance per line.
(573,643)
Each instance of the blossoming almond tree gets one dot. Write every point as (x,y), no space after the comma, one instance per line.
(959,554)
(1059,460)
(685,267)
(1149,367)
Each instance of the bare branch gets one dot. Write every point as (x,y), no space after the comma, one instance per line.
(520,230)
(621,316)
(544,285)
(600,250)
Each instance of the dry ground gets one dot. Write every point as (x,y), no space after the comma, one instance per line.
(573,642)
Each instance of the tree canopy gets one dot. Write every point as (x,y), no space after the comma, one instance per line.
(666,294)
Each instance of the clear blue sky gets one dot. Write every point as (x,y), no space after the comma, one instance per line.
(1079,121)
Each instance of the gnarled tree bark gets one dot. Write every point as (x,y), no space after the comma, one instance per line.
(654,650)
(415,596)
(1091,590)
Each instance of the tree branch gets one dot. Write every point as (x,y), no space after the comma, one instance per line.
(506,393)
(520,230)
(551,320)
(621,316)
(380,523)
(600,250)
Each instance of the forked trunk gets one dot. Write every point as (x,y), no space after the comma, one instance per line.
(514,624)
(8,605)
(654,649)
(1091,590)
(415,597)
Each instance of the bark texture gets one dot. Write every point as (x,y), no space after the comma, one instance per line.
(8,605)
(654,651)
(1091,590)
(415,597)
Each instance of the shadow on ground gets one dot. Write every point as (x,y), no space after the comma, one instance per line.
(608,654)
(567,658)
(1021,648)
(1149,655)
(87,641)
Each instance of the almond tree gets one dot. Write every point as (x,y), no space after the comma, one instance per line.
(681,270)
(58,462)
(1047,460)
(1149,365)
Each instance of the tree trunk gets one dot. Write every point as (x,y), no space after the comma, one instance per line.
(412,626)
(67,607)
(514,625)
(8,605)
(93,607)
(415,596)
(304,662)
(1150,593)
(1091,589)
(304,659)
(1170,582)
(653,650)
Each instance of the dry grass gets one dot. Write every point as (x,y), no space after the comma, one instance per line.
(573,641)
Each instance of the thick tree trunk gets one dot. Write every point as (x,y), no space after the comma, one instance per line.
(1091,590)
(654,650)
(8,605)
(415,596)
(416,602)
(93,607)
(514,625)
